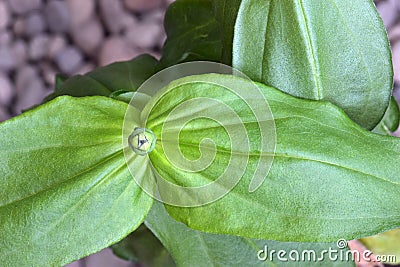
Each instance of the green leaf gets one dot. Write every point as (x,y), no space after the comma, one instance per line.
(385,244)
(66,190)
(127,75)
(59,81)
(194,248)
(193,33)
(334,50)
(390,122)
(143,247)
(226,13)
(330,178)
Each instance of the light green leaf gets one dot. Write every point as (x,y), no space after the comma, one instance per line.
(194,248)
(192,33)
(385,244)
(390,122)
(127,75)
(66,190)
(143,247)
(334,50)
(330,178)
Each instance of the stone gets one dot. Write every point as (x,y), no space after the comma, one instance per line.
(20,7)
(33,94)
(385,9)
(394,33)
(81,11)
(88,36)
(30,88)
(116,49)
(34,24)
(56,44)
(157,15)
(128,21)
(7,62)
(57,16)
(48,72)
(4,115)
(396,61)
(4,15)
(38,47)
(142,5)
(24,75)
(113,14)
(145,34)
(86,68)
(69,60)
(6,90)
(20,51)
(5,38)
(19,27)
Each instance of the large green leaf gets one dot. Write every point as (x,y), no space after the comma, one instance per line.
(193,33)
(334,50)
(390,122)
(65,188)
(330,178)
(194,248)
(127,75)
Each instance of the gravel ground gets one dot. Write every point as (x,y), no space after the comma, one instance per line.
(39,38)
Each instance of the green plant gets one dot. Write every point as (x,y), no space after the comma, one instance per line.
(67,191)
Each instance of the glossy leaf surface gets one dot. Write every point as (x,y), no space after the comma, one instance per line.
(334,50)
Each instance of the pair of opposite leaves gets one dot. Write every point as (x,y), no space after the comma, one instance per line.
(326,183)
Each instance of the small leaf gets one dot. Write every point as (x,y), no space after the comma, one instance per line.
(385,244)
(127,75)
(194,248)
(390,122)
(192,33)
(330,178)
(59,81)
(143,247)
(335,50)
(66,190)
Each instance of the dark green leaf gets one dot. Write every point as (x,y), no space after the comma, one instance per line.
(226,13)
(128,76)
(330,178)
(334,50)
(194,248)
(143,247)
(66,191)
(192,33)
(59,81)
(390,122)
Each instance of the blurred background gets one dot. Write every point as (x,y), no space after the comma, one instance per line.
(39,38)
